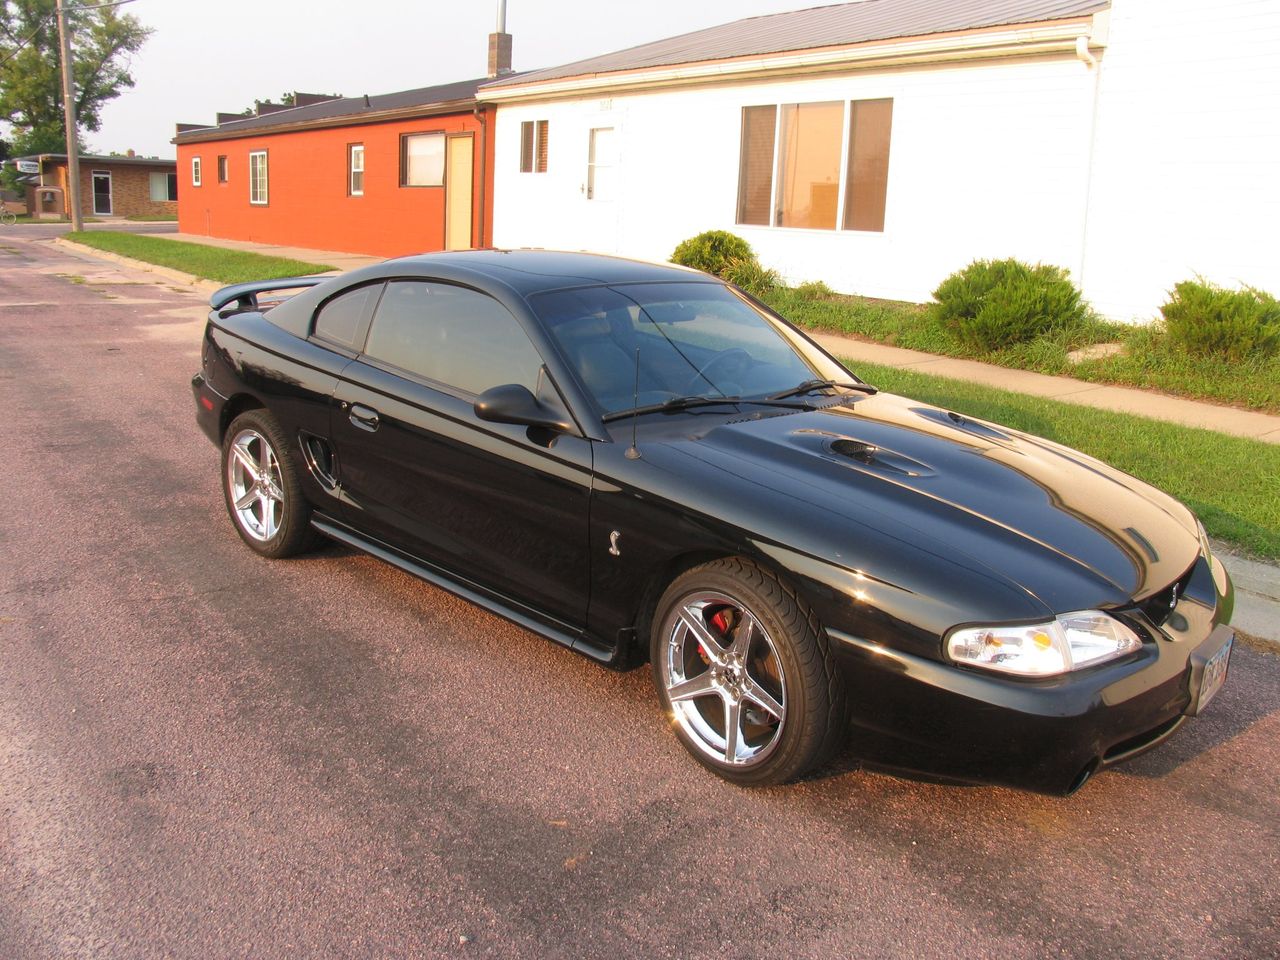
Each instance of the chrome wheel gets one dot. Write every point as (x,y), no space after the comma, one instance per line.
(256,485)
(724,679)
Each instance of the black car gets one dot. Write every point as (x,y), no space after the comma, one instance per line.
(643,463)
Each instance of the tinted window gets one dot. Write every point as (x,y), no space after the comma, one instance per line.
(339,319)
(451,335)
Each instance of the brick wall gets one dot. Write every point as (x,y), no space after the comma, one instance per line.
(130,190)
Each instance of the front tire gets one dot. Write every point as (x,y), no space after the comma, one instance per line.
(262,489)
(742,668)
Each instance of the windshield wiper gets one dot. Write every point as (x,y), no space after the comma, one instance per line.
(672,405)
(810,385)
(686,403)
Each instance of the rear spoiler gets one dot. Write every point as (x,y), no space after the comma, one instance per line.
(242,297)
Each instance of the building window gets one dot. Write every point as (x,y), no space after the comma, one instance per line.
(258,177)
(195,171)
(792,173)
(422,160)
(355,170)
(222,169)
(164,186)
(533,146)
(870,122)
(755,164)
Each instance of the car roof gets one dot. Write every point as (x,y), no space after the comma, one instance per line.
(534,271)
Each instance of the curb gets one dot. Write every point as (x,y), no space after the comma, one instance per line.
(168,273)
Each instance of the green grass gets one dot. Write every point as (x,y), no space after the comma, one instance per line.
(163,218)
(1233,484)
(198,259)
(1149,360)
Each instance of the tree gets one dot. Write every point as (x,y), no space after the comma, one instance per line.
(102,41)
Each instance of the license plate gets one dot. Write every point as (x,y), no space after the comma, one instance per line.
(1215,674)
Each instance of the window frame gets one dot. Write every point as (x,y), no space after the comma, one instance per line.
(266,178)
(170,186)
(361,333)
(844,185)
(534,139)
(352,171)
(404,158)
(223,172)
(195,171)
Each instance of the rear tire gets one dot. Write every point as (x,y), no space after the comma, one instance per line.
(262,488)
(743,669)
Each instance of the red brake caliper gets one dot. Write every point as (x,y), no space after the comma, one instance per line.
(720,622)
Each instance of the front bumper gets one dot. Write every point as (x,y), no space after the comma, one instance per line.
(1049,736)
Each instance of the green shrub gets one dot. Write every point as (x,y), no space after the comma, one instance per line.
(992,304)
(814,290)
(757,280)
(712,251)
(1206,320)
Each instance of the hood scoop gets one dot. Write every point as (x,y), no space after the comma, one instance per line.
(957,422)
(859,453)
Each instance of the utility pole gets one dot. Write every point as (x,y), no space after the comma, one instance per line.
(69,112)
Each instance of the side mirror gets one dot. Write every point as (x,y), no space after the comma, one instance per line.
(513,403)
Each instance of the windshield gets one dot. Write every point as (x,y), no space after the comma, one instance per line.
(693,339)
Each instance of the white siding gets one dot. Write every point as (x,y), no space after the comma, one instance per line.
(1187,159)
(1180,173)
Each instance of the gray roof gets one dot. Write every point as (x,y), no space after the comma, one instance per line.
(833,26)
(101,160)
(346,108)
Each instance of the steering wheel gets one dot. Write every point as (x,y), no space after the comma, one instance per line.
(725,360)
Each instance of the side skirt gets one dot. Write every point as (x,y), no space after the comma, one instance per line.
(509,610)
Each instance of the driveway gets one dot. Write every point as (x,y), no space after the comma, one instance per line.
(205,754)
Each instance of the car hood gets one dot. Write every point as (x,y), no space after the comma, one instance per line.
(1060,525)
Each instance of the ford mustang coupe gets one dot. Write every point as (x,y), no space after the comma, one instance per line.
(643,463)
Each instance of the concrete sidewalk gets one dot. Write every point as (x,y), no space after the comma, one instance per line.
(336,259)
(1144,403)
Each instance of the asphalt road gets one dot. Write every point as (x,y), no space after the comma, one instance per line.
(204,754)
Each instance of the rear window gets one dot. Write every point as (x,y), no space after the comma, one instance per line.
(339,321)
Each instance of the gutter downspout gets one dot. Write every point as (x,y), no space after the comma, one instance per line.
(1091,63)
(479,113)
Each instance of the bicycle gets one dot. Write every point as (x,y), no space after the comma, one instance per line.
(8,217)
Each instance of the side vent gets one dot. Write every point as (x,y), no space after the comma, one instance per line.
(320,460)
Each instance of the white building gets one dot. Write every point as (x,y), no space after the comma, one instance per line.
(880,145)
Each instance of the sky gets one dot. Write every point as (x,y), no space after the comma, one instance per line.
(205,57)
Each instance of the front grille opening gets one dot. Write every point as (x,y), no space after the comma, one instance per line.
(1143,741)
(1160,606)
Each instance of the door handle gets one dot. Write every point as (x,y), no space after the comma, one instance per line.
(366,418)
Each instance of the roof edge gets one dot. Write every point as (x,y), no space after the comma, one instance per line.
(1024,39)
(209,134)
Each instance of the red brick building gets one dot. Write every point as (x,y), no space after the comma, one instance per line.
(109,186)
(389,175)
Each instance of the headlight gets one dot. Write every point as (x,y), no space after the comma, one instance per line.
(1071,642)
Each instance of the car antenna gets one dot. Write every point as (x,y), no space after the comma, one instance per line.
(633,452)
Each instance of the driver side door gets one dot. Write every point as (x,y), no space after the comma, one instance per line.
(498,506)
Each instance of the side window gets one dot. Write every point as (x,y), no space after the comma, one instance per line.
(339,320)
(451,335)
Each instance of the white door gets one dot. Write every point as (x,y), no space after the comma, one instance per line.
(601,191)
